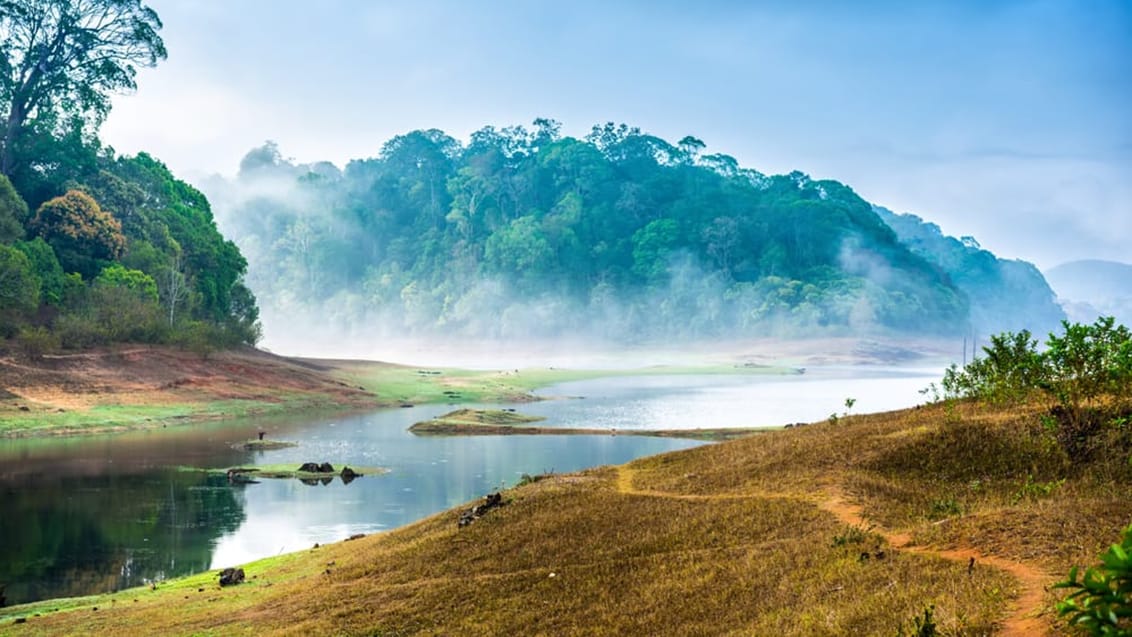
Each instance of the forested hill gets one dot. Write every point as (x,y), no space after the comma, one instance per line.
(525,233)
(94,247)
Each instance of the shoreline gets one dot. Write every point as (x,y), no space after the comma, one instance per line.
(744,512)
(116,390)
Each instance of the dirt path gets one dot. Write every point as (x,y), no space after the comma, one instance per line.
(1024,619)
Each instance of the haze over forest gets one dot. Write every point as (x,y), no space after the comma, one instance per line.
(1005,121)
(617,237)
(461,203)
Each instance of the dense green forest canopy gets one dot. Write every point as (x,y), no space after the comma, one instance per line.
(95,247)
(527,233)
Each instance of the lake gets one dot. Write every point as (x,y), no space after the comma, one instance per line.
(96,514)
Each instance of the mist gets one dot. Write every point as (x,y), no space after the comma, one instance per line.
(525,241)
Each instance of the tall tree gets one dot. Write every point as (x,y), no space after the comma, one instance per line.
(65,57)
(83,235)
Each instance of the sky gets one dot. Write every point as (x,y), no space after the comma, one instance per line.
(1008,121)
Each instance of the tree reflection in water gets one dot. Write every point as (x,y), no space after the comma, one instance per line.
(71,535)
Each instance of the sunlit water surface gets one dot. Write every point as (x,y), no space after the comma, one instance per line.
(99,514)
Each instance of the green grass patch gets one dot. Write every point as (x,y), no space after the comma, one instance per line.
(111,417)
(395,384)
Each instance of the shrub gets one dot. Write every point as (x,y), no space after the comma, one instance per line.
(1010,371)
(1101,601)
(1088,361)
(76,332)
(34,342)
(196,336)
(1080,368)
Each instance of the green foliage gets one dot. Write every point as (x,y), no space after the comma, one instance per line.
(621,234)
(63,60)
(1035,490)
(527,478)
(1100,602)
(146,240)
(1010,370)
(1087,370)
(1005,295)
(198,337)
(652,246)
(34,342)
(83,235)
(944,508)
(46,266)
(923,625)
(175,222)
(19,289)
(854,535)
(106,313)
(13,212)
(1088,361)
(134,280)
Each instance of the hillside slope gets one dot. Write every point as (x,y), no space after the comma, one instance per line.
(121,387)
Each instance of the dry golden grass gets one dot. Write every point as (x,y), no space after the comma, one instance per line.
(765,535)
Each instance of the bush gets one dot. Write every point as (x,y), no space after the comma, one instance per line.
(34,342)
(196,336)
(1083,368)
(1010,371)
(77,332)
(1101,601)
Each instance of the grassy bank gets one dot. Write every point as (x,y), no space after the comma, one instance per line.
(857,527)
(125,388)
(397,384)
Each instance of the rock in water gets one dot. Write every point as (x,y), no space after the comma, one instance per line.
(348,475)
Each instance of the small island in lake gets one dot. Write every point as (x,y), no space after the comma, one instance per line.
(506,422)
(306,471)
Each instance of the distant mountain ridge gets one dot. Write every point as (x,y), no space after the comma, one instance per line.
(1093,287)
(1005,294)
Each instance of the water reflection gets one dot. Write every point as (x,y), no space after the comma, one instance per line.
(691,402)
(87,515)
(72,535)
(427,475)
(98,514)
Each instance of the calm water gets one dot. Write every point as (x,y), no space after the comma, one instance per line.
(97,514)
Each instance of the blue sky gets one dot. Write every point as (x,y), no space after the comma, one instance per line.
(1009,121)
